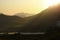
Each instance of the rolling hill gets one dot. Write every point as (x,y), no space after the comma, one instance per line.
(44,21)
(10,22)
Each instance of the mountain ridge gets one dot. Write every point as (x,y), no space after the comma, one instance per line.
(44,21)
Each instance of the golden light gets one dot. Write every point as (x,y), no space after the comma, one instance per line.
(52,2)
(11,7)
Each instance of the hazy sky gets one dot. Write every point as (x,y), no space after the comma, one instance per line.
(17,6)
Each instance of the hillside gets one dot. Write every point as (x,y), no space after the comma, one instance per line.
(44,21)
(10,22)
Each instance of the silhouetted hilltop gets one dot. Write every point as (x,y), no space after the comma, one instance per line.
(23,14)
(13,23)
(10,22)
(47,19)
(44,21)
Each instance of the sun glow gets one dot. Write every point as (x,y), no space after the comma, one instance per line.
(11,7)
(52,2)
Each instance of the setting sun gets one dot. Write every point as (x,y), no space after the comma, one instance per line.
(52,2)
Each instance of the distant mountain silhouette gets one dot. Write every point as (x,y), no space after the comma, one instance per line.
(10,22)
(23,14)
(44,21)
(41,22)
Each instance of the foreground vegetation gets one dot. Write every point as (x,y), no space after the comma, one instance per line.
(50,35)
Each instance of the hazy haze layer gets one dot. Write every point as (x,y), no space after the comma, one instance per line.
(11,7)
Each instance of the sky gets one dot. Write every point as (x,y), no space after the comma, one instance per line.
(11,7)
